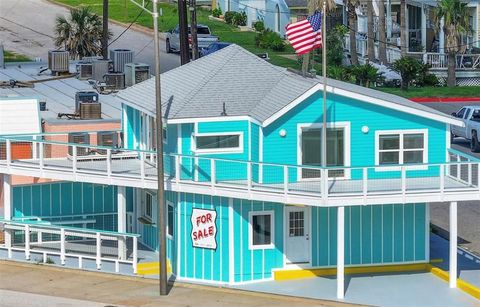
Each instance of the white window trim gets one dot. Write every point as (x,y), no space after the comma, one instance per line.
(250,230)
(387,168)
(238,149)
(170,204)
(346,146)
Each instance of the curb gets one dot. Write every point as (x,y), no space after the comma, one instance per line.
(461,284)
(135,27)
(445,99)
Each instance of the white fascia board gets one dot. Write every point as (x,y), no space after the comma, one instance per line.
(319,87)
(212,119)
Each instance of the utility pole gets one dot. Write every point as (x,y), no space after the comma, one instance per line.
(161,223)
(105,30)
(193,28)
(183,23)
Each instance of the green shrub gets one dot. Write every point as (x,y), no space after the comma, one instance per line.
(408,68)
(269,40)
(341,73)
(229,17)
(365,74)
(216,12)
(425,78)
(259,26)
(240,19)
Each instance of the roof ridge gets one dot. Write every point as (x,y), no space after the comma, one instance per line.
(210,75)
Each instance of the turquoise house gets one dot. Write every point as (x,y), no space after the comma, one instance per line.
(248,198)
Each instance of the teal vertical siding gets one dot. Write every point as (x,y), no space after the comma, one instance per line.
(198,263)
(373,234)
(277,149)
(64,201)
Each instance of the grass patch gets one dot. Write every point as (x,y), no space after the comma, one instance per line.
(459,91)
(15,57)
(126,12)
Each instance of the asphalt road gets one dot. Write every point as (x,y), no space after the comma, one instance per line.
(468,212)
(26,27)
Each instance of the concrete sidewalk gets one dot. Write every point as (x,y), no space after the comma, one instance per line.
(68,286)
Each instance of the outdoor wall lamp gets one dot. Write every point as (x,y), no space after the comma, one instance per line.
(282,132)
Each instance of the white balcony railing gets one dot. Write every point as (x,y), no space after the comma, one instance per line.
(301,184)
(48,241)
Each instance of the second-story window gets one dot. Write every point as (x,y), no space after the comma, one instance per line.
(219,142)
(402,147)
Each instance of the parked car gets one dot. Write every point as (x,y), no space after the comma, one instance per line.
(471,117)
(213,47)
(204,36)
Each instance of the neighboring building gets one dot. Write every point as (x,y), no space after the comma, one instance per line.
(246,196)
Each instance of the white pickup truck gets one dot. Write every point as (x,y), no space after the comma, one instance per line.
(471,117)
(204,37)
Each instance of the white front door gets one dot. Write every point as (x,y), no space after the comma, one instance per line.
(297,237)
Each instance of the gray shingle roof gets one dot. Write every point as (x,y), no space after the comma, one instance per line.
(248,85)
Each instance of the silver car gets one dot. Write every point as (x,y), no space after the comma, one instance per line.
(205,38)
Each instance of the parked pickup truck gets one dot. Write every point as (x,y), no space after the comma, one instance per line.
(204,36)
(471,117)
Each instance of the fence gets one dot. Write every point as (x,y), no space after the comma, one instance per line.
(35,237)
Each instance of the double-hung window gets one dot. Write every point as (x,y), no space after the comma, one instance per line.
(260,232)
(401,147)
(148,206)
(219,142)
(170,223)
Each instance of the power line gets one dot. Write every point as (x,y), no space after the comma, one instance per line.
(130,25)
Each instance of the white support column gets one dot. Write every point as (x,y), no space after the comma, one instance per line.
(453,245)
(389,19)
(441,37)
(424,28)
(340,252)
(7,209)
(122,222)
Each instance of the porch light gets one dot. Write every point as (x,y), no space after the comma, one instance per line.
(365,129)
(282,132)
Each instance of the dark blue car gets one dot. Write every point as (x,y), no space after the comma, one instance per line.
(213,47)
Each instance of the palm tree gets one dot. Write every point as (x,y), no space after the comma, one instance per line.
(352,26)
(403,25)
(382,37)
(80,34)
(370,34)
(455,17)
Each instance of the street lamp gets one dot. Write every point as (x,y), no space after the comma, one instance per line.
(162,252)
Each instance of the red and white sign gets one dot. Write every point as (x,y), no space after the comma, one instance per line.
(204,229)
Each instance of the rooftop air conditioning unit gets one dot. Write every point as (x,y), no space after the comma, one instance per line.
(84,70)
(100,68)
(115,81)
(90,59)
(107,139)
(58,61)
(120,57)
(79,138)
(90,110)
(136,73)
(85,97)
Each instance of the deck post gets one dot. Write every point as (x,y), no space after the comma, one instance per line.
(27,242)
(7,210)
(109,162)
(365,185)
(213,170)
(285,180)
(41,155)
(98,258)
(249,176)
(62,246)
(453,245)
(340,252)
(122,222)
(134,255)
(177,168)
(442,179)
(142,166)
(8,149)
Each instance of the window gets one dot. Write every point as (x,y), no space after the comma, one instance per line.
(228,142)
(404,147)
(170,219)
(467,113)
(148,208)
(461,113)
(261,230)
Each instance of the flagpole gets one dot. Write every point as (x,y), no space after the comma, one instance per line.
(324,72)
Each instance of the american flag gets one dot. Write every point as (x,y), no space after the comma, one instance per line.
(305,35)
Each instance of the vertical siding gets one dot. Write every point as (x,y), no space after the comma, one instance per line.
(279,149)
(373,234)
(68,201)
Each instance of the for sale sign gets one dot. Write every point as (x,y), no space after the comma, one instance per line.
(204,229)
